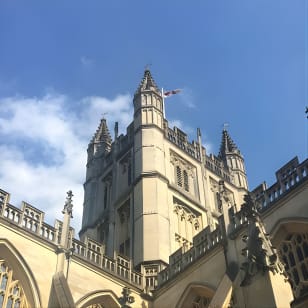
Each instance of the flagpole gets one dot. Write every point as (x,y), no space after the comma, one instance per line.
(163,100)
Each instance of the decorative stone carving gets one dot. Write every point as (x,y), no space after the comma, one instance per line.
(259,252)
(68,206)
(176,160)
(126,298)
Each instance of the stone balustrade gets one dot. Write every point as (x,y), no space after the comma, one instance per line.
(288,177)
(203,243)
(31,220)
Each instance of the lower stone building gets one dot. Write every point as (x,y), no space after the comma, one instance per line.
(164,225)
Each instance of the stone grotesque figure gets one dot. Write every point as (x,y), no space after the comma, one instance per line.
(68,206)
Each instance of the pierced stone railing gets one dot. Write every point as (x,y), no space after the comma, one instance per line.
(28,218)
(31,220)
(203,243)
(288,177)
(120,266)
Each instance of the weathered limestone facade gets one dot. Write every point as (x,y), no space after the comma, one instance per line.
(164,225)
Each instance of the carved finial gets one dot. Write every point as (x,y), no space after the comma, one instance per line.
(126,298)
(250,209)
(68,206)
(225,126)
(198,133)
(116,130)
(147,66)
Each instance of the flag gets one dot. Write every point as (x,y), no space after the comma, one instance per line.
(172,92)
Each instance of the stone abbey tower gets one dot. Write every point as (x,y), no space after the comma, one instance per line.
(148,193)
(165,224)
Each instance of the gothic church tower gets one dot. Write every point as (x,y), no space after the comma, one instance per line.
(149,192)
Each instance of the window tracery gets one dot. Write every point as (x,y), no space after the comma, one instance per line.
(11,292)
(200,302)
(184,174)
(294,254)
(124,228)
(187,224)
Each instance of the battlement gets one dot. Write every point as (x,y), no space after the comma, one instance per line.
(179,138)
(214,164)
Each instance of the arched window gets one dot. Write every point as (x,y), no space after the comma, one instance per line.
(11,292)
(200,302)
(293,253)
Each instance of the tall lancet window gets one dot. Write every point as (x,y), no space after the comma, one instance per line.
(11,292)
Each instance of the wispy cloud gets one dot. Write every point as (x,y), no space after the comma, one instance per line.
(86,62)
(43,146)
(187,97)
(182,126)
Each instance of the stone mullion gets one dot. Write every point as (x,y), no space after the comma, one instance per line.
(297,261)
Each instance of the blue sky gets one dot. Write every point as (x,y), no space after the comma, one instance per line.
(64,63)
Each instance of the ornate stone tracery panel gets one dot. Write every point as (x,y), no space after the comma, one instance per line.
(200,302)
(11,291)
(187,223)
(293,251)
(185,174)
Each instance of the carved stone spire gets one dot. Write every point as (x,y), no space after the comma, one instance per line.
(102,134)
(101,141)
(147,83)
(227,145)
(148,103)
(233,159)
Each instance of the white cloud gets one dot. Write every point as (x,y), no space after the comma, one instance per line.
(43,147)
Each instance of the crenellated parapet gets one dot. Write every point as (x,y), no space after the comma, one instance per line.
(217,166)
(180,139)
